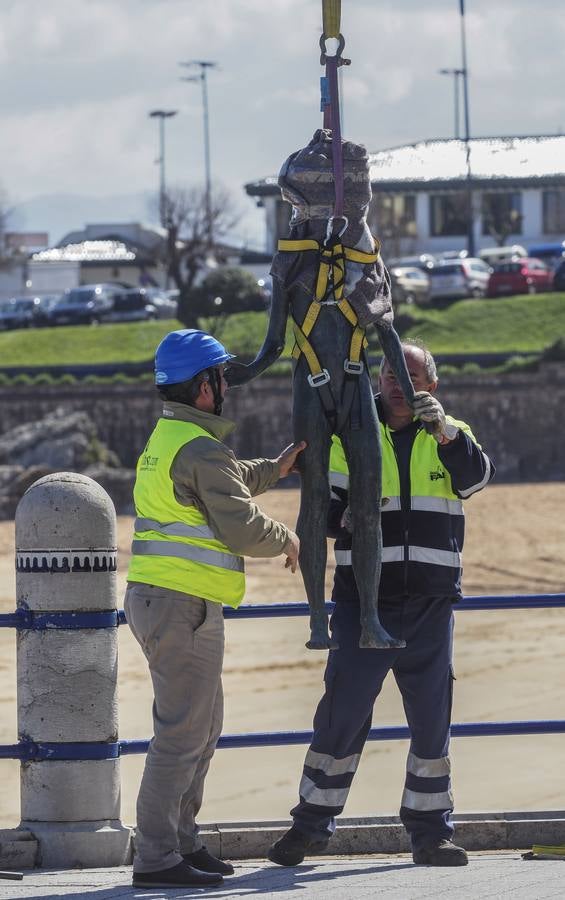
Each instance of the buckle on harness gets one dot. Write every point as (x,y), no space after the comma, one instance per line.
(320,379)
(353,368)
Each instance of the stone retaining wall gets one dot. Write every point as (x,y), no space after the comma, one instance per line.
(517,417)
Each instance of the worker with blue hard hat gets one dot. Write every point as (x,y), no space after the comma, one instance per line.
(196,519)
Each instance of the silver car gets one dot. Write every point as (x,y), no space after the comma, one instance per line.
(456,279)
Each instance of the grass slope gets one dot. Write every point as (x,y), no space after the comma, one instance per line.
(528,323)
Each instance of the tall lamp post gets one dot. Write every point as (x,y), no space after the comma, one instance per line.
(457,73)
(204,66)
(161,115)
(465,76)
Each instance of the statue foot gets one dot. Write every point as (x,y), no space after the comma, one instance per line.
(320,638)
(377,638)
(325,644)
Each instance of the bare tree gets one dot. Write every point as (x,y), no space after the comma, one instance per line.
(6,257)
(500,217)
(188,246)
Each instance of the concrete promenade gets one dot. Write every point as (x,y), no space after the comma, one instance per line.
(489,875)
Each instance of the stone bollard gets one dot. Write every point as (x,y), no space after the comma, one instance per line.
(67,675)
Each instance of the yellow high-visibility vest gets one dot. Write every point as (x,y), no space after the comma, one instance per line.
(173,546)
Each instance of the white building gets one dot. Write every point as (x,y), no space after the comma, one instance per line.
(420,194)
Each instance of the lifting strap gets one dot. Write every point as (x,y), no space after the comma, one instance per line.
(331,45)
(329,292)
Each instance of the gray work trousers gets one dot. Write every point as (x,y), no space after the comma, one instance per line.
(182,637)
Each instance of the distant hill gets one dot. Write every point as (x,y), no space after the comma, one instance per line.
(57,214)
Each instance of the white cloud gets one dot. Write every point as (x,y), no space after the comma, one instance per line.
(83,75)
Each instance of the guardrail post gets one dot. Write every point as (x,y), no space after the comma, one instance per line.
(67,676)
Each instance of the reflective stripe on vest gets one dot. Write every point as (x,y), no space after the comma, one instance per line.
(415,554)
(431,493)
(173,545)
(173,529)
(188,551)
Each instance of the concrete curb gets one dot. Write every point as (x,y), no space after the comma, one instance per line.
(478,831)
(18,849)
(384,834)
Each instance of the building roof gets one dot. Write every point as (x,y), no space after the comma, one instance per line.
(87,251)
(132,233)
(502,161)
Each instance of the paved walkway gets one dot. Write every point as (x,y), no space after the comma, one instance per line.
(498,876)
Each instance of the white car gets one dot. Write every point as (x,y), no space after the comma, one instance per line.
(455,279)
(495,255)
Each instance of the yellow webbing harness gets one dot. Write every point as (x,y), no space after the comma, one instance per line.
(329,291)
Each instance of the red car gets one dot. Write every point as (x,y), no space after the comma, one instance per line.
(520,276)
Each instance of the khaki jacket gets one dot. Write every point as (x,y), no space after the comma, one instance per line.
(207,474)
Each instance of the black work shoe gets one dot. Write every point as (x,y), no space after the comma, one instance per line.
(444,853)
(291,849)
(202,859)
(181,875)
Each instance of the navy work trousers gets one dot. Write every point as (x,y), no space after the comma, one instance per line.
(353,680)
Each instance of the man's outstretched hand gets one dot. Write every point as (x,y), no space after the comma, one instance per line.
(287,459)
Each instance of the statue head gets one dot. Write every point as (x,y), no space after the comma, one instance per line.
(306,180)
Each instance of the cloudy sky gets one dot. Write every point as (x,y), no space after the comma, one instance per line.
(80,76)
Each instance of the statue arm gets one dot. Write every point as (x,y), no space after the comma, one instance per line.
(392,349)
(273,345)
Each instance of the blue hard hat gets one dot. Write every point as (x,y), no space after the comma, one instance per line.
(183,354)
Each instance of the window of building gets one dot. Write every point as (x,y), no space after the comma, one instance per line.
(502,214)
(393,215)
(448,214)
(554,211)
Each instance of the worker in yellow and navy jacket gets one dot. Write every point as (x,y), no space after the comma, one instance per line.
(426,475)
(195,521)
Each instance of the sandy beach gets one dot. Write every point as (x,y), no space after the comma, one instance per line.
(508,666)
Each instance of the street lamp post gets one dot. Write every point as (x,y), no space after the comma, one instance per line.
(457,73)
(204,65)
(467,137)
(161,115)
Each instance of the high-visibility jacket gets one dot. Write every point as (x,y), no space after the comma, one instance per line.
(173,547)
(422,523)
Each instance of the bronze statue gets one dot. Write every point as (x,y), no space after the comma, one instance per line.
(330,278)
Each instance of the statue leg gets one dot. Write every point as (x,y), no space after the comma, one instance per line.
(310,425)
(363,453)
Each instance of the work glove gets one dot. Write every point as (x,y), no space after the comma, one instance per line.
(428,408)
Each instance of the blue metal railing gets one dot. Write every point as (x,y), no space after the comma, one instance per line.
(32,750)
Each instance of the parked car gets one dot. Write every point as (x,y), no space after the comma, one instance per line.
(17,312)
(165,302)
(138,304)
(559,277)
(88,304)
(452,254)
(423,261)
(494,255)
(43,310)
(409,285)
(520,276)
(453,280)
(551,254)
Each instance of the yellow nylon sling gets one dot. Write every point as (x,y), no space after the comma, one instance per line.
(332,262)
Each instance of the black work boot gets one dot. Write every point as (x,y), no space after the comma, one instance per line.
(181,875)
(202,859)
(443,853)
(291,849)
